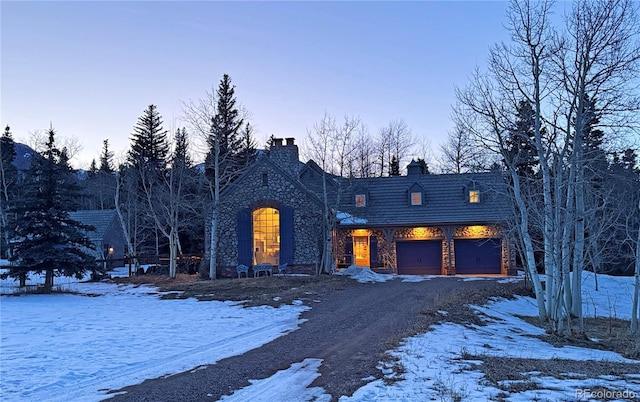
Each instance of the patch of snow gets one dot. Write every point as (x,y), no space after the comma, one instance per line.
(67,347)
(285,385)
(364,274)
(417,278)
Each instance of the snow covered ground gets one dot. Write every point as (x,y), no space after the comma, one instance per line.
(69,347)
(65,347)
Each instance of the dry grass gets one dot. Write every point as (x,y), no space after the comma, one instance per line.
(600,333)
(272,291)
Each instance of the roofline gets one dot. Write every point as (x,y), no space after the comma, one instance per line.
(417,224)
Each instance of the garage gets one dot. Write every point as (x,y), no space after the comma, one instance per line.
(478,256)
(419,257)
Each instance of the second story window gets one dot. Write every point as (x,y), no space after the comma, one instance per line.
(474,196)
(361,200)
(416,198)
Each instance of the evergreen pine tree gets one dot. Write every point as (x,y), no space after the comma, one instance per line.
(520,144)
(47,239)
(8,188)
(93,169)
(224,130)
(394,166)
(424,168)
(247,151)
(106,158)
(180,154)
(150,148)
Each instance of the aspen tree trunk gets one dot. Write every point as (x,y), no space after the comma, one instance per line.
(130,249)
(528,244)
(636,289)
(213,261)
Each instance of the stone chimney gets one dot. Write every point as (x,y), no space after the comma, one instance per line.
(285,155)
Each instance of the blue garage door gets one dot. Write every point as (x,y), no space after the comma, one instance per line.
(478,256)
(419,257)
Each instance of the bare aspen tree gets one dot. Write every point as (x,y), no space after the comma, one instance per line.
(484,114)
(636,288)
(362,164)
(599,61)
(322,149)
(459,154)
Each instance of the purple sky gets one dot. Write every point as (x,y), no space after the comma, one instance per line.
(91,68)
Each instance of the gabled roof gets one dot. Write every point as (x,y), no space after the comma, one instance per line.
(100,219)
(445,200)
(262,160)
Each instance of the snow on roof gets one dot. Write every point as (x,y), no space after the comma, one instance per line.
(348,219)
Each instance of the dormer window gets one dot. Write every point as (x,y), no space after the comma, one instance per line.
(416,198)
(361,200)
(474,196)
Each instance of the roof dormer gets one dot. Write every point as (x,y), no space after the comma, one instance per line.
(416,195)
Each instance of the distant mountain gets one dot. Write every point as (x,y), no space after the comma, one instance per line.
(24,153)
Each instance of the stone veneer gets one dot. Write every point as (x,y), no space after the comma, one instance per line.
(387,243)
(282,189)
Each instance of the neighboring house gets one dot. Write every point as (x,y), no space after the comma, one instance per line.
(107,238)
(413,224)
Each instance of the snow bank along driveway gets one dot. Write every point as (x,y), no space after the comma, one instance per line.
(65,347)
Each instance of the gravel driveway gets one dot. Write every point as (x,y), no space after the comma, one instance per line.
(350,329)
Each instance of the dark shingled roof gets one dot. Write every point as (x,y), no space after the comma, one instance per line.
(100,219)
(445,200)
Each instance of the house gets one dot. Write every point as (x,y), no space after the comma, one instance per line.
(414,224)
(108,237)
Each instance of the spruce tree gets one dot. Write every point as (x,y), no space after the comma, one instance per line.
(520,144)
(394,166)
(424,168)
(247,152)
(181,154)
(149,149)
(224,132)
(47,239)
(106,158)
(8,188)
(93,169)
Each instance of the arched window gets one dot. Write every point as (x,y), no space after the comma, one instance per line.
(266,236)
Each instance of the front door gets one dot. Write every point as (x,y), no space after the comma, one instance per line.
(361,250)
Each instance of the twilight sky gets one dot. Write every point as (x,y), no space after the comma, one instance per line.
(91,68)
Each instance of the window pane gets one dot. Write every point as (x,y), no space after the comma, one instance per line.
(266,236)
(474,196)
(360,200)
(416,198)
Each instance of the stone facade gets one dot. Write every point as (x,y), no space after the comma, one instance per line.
(386,243)
(271,182)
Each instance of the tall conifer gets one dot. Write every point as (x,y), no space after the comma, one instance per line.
(47,239)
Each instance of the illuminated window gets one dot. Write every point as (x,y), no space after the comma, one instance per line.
(416,198)
(474,196)
(361,201)
(266,236)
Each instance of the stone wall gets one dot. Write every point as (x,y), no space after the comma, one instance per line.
(255,190)
(387,249)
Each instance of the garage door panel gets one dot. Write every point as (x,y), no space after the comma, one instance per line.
(419,257)
(478,256)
